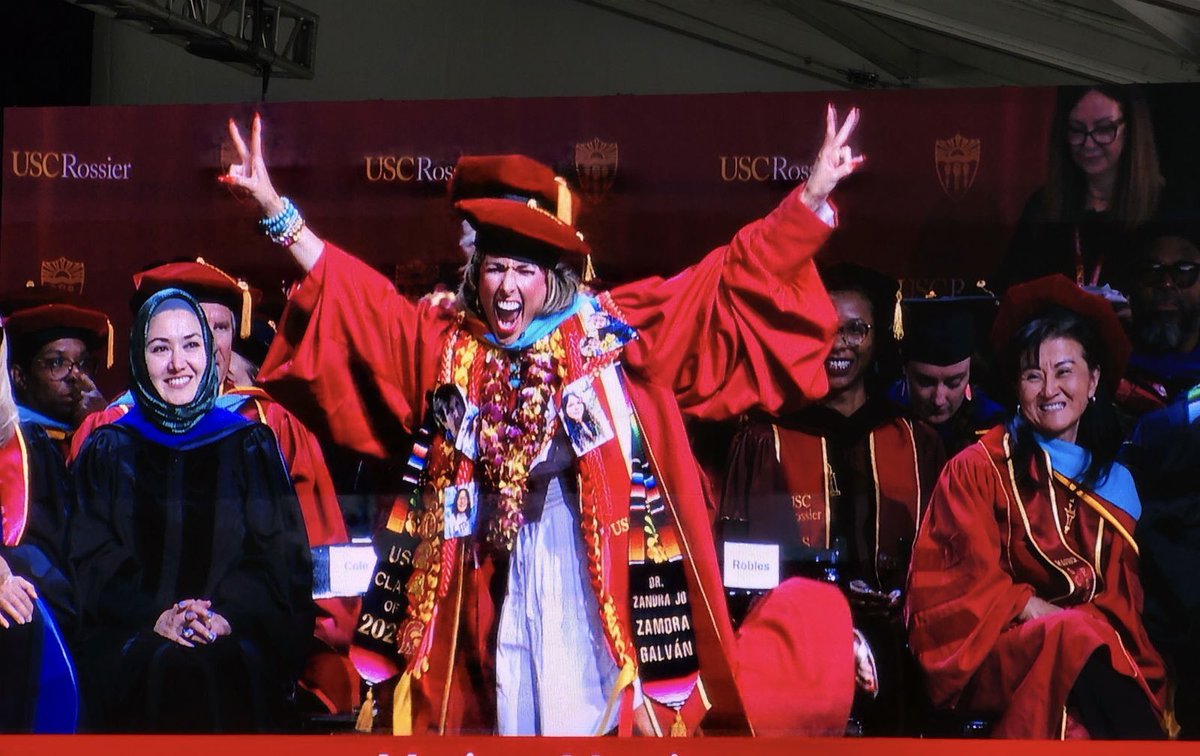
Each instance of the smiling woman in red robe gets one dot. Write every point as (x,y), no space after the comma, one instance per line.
(1024,600)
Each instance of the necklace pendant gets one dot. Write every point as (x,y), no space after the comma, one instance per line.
(832,480)
(1069,518)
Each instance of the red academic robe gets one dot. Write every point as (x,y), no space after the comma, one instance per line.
(984,549)
(328,673)
(745,328)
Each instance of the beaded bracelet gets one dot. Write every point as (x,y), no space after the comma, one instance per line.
(276,224)
(285,226)
(292,235)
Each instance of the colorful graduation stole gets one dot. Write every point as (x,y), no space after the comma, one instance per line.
(660,604)
(385,604)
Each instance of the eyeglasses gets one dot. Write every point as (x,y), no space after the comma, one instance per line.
(853,333)
(1181,274)
(1101,133)
(60,367)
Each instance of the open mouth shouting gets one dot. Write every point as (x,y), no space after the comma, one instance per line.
(508,318)
(512,292)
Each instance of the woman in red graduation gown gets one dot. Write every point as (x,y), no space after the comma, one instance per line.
(1024,601)
(552,617)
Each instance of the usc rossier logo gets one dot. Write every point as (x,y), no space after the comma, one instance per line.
(407,168)
(762,168)
(67,165)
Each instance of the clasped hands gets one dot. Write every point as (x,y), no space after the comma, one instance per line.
(190,622)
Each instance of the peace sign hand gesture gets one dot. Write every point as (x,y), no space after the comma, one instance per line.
(250,172)
(250,175)
(835,160)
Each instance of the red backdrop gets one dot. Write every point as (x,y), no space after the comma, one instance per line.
(92,194)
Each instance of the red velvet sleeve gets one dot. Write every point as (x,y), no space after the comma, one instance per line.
(960,599)
(92,422)
(322,514)
(747,327)
(353,358)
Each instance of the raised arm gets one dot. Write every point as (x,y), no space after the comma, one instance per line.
(250,174)
(749,326)
(835,160)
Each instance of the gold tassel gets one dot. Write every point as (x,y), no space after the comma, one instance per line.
(564,201)
(402,706)
(678,728)
(898,318)
(624,680)
(1169,723)
(247,310)
(589,273)
(366,715)
(110,342)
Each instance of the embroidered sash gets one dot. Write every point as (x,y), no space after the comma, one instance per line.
(660,605)
(385,604)
(629,536)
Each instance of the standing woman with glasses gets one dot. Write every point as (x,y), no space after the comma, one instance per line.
(1103,180)
(852,475)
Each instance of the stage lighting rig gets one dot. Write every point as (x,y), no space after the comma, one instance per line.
(261,37)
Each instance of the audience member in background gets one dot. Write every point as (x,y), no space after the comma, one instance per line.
(55,349)
(193,570)
(227,303)
(851,475)
(938,385)
(1024,598)
(37,609)
(1163,453)
(249,352)
(1165,299)
(1102,182)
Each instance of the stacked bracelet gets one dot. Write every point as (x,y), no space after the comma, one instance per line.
(291,235)
(285,226)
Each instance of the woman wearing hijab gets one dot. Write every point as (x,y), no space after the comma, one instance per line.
(195,577)
(1024,598)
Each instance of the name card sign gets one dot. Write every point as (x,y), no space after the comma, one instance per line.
(751,566)
(342,570)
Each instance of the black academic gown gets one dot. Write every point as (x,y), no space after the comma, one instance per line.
(37,557)
(209,514)
(1163,453)
(758,506)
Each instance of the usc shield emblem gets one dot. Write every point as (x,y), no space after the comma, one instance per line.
(596,167)
(957,162)
(63,274)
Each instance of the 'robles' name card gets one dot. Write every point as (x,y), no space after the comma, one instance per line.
(752,566)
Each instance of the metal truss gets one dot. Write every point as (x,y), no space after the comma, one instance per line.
(261,37)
